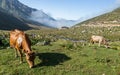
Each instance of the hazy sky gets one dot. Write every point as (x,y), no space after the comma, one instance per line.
(72,9)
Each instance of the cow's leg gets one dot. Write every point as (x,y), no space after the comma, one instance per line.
(16,53)
(21,56)
(91,42)
(99,43)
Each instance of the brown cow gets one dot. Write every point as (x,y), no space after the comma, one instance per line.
(99,39)
(20,41)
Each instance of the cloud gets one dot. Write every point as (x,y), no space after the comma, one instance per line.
(46,19)
(43,18)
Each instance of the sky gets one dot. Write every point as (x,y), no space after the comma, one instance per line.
(72,9)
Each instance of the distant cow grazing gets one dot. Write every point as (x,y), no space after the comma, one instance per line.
(99,39)
(20,41)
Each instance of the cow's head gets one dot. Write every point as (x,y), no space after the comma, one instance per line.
(30,58)
(105,42)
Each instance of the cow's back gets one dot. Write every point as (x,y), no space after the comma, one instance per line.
(13,38)
(97,38)
(14,35)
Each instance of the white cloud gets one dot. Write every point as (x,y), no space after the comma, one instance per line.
(46,19)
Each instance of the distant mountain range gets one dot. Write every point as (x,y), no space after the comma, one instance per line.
(14,14)
(17,15)
(111,18)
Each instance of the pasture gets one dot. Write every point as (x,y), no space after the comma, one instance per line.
(67,53)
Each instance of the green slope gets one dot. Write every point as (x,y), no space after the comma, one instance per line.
(112,17)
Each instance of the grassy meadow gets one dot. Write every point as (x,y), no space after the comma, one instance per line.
(65,52)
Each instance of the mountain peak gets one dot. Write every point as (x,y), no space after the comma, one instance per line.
(14,7)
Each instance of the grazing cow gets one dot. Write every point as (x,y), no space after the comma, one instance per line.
(99,39)
(20,41)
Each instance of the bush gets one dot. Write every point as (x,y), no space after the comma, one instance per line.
(5,42)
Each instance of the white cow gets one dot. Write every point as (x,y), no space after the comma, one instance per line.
(99,39)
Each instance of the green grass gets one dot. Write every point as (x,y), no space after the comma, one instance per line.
(63,56)
(57,60)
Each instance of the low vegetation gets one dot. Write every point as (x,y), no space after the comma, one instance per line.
(110,18)
(65,52)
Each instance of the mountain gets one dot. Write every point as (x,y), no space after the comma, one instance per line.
(110,18)
(9,22)
(16,8)
(43,18)
(11,15)
(16,15)
(27,16)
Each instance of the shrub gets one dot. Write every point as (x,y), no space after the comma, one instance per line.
(5,42)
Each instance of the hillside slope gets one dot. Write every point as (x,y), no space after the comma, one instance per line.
(16,15)
(9,22)
(112,18)
(16,8)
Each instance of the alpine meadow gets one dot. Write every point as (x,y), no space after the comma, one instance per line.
(59,51)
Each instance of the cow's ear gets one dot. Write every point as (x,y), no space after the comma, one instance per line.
(26,51)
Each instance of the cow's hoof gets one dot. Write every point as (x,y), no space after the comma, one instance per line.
(31,66)
(16,56)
